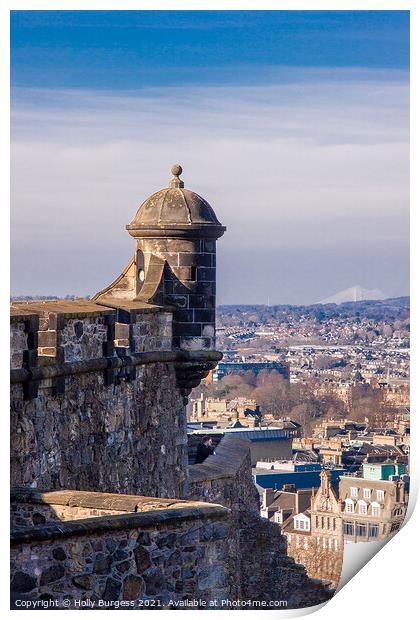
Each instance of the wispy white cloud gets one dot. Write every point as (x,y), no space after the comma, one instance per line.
(300,166)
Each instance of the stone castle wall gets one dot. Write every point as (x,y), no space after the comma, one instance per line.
(258,561)
(152,558)
(98,404)
(137,551)
(92,426)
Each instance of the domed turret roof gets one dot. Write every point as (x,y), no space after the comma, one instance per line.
(175,208)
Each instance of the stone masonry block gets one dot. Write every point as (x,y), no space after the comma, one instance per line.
(206,274)
(195,343)
(47,339)
(208,330)
(187,329)
(199,260)
(208,246)
(201,301)
(207,315)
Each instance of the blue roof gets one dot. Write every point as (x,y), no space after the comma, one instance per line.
(301,480)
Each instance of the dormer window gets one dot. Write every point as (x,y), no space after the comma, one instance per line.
(302,522)
(380,495)
(362,506)
(376,509)
(278,516)
(349,505)
(301,525)
(353,491)
(366,493)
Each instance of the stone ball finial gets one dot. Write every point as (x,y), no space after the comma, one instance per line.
(176,181)
(176,170)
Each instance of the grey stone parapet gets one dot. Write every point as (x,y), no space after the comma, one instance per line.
(58,338)
(136,512)
(24,330)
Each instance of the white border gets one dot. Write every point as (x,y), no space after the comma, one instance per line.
(386,586)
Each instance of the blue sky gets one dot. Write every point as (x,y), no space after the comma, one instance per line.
(293,124)
(133,49)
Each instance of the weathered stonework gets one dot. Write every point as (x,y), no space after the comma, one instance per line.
(83,339)
(152,332)
(128,437)
(98,399)
(253,542)
(174,263)
(18,343)
(146,559)
(24,326)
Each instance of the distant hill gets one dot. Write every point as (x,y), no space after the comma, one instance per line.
(44,297)
(355,293)
(387,309)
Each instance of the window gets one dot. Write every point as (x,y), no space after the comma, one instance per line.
(193,274)
(348,528)
(362,507)
(353,491)
(373,530)
(380,495)
(376,509)
(301,524)
(349,505)
(366,493)
(361,529)
(278,517)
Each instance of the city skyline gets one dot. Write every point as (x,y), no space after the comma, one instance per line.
(299,141)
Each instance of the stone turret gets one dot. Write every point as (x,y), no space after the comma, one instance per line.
(175,262)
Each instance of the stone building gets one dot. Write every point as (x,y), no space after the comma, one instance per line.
(105,507)
(373,506)
(225,410)
(315,536)
(331,428)
(368,508)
